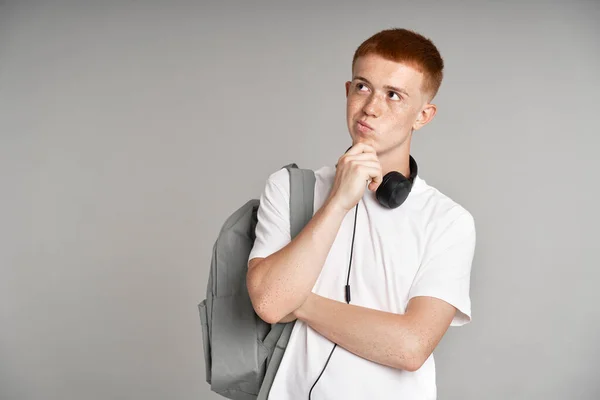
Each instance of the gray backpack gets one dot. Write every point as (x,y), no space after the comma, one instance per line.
(241,351)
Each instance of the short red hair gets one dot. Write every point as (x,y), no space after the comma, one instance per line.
(409,47)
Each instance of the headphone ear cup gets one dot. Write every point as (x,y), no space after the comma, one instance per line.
(394,190)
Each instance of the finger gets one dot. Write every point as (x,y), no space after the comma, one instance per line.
(361,157)
(360,148)
(355,153)
(374,176)
(371,170)
(373,186)
(369,156)
(375,183)
(369,141)
(368,165)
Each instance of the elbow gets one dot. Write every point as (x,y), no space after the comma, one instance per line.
(266,305)
(412,364)
(260,300)
(269,307)
(413,357)
(265,313)
(253,279)
(267,310)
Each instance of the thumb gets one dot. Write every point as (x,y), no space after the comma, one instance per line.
(373,185)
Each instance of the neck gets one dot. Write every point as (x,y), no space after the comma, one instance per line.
(397,159)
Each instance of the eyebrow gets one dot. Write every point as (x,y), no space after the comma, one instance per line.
(395,89)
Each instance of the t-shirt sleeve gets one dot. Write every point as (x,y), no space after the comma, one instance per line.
(445,272)
(273,216)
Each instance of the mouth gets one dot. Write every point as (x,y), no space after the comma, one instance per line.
(364,127)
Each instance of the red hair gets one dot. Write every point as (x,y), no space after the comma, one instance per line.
(408,47)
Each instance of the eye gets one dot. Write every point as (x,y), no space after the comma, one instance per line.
(392,94)
(361,86)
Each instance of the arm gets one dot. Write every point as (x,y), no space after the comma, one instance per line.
(402,341)
(438,297)
(281,282)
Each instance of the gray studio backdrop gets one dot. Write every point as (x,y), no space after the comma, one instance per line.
(130,130)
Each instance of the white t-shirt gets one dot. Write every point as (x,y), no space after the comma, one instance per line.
(422,248)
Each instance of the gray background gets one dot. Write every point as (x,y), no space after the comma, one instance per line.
(130,131)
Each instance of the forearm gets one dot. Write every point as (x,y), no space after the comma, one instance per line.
(378,336)
(280,283)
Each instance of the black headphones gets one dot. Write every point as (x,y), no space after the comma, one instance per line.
(395,187)
(391,193)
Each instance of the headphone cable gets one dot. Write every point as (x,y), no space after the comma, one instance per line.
(347,288)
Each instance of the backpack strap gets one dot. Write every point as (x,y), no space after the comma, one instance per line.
(302,190)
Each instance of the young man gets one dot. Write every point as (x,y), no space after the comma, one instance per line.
(409,265)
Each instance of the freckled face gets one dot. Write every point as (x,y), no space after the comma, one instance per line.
(383,101)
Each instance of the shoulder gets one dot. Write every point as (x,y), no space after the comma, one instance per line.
(281,177)
(443,213)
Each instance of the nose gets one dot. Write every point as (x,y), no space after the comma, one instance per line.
(373,106)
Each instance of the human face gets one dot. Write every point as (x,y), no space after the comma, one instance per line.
(385,103)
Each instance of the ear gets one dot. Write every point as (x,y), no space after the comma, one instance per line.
(347,87)
(425,115)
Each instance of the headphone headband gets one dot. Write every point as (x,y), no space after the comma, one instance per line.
(414,169)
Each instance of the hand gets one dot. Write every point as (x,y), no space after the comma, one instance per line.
(354,169)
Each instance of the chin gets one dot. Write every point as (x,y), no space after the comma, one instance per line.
(361,137)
